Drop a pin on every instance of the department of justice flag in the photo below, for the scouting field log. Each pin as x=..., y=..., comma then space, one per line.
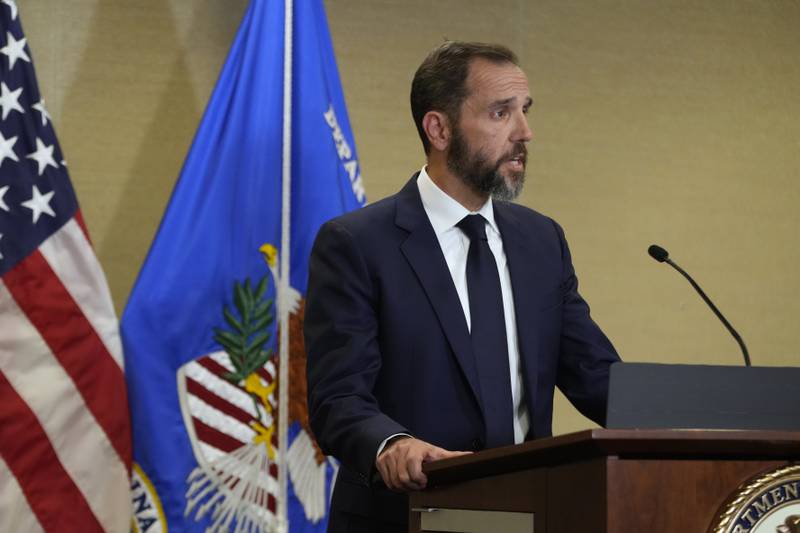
x=65, y=449
x=200, y=329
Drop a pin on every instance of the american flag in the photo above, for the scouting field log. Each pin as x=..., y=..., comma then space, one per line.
x=65, y=449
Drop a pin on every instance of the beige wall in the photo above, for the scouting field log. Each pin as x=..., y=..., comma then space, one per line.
x=674, y=122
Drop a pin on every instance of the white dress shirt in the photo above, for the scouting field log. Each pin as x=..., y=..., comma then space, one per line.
x=444, y=213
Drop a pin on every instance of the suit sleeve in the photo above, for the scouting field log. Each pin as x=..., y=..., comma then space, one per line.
x=585, y=352
x=341, y=338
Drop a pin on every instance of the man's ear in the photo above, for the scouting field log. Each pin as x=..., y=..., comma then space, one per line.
x=437, y=128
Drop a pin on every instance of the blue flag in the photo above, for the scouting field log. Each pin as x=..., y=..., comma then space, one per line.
x=201, y=327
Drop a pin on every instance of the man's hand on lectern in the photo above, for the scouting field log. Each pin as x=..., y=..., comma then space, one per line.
x=400, y=462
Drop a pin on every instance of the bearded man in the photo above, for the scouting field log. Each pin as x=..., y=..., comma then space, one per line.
x=439, y=320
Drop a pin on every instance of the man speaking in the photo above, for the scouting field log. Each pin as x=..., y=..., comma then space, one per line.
x=439, y=320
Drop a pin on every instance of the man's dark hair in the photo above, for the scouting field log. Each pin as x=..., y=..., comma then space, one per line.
x=440, y=83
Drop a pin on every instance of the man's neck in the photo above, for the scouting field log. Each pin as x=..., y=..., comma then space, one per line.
x=455, y=187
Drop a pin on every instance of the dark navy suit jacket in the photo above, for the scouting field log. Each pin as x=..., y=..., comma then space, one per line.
x=389, y=349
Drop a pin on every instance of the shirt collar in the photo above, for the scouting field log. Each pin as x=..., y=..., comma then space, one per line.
x=445, y=212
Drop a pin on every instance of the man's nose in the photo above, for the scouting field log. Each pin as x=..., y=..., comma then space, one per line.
x=522, y=130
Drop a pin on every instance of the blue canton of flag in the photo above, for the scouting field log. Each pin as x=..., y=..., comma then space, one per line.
x=65, y=449
x=200, y=328
x=35, y=194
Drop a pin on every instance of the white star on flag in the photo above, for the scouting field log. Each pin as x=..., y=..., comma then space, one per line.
x=7, y=148
x=1, y=238
x=3, y=204
x=13, y=5
x=39, y=203
x=14, y=49
x=9, y=100
x=43, y=155
x=39, y=106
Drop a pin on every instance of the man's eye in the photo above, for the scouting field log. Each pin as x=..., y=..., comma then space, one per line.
x=500, y=113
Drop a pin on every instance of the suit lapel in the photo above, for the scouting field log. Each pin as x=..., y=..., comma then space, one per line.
x=424, y=254
x=521, y=256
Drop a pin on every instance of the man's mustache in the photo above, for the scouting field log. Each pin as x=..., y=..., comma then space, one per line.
x=520, y=151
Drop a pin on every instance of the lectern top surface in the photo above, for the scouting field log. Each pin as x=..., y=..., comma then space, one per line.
x=624, y=443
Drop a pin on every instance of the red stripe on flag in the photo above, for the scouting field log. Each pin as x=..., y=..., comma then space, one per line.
x=218, y=370
x=266, y=376
x=196, y=389
x=77, y=347
x=215, y=438
x=53, y=497
x=212, y=366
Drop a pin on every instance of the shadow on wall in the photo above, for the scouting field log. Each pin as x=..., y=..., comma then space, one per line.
x=139, y=93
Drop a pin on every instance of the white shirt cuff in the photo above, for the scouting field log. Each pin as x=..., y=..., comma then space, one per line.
x=386, y=441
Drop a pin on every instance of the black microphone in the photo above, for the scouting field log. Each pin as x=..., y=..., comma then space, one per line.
x=662, y=256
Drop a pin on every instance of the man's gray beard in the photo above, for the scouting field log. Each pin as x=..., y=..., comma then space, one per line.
x=475, y=171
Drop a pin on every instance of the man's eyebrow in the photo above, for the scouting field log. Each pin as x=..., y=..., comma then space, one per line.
x=506, y=101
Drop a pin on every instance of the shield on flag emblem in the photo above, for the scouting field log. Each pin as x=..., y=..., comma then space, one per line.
x=232, y=430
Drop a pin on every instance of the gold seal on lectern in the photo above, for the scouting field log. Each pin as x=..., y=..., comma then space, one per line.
x=767, y=503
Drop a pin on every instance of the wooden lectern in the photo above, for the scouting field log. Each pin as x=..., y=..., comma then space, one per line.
x=598, y=481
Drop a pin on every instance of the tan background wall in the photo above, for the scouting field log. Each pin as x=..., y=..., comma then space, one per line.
x=676, y=122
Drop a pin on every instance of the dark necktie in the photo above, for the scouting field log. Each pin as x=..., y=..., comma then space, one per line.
x=488, y=332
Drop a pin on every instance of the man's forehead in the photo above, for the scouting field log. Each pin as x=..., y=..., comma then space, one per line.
x=492, y=81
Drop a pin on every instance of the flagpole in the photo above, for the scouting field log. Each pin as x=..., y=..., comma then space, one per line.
x=283, y=366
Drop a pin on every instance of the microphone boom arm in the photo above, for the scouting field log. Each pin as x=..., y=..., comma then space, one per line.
x=713, y=308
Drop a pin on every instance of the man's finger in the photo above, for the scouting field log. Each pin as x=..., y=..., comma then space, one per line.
x=386, y=468
x=383, y=470
x=395, y=482
x=403, y=477
x=408, y=455
x=414, y=466
x=436, y=453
